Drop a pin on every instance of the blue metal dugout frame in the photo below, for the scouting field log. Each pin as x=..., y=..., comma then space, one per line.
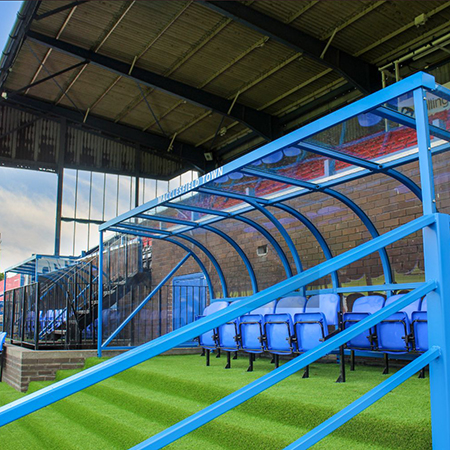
x=435, y=228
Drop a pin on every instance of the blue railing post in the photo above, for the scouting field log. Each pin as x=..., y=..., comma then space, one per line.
x=436, y=243
x=100, y=296
x=437, y=267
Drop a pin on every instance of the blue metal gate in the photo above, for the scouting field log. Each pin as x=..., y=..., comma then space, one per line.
x=189, y=300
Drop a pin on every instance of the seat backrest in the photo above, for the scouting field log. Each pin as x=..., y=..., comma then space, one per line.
x=424, y=305
x=269, y=308
x=291, y=305
x=369, y=304
x=328, y=304
x=214, y=307
x=408, y=310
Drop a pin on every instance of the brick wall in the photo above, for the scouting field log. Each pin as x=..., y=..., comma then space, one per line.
x=21, y=365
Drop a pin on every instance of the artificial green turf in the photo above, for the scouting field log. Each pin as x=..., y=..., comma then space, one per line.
x=128, y=408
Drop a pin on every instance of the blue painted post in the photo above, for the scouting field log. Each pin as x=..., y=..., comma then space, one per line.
x=100, y=296
x=436, y=243
x=437, y=267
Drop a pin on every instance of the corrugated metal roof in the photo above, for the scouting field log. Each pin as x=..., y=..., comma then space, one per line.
x=185, y=41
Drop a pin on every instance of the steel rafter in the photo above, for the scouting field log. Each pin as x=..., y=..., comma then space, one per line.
x=257, y=121
x=52, y=12
x=362, y=75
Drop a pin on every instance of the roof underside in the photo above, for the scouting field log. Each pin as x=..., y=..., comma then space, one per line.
x=185, y=78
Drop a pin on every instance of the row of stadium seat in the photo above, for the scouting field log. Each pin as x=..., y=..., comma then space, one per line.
x=294, y=325
x=403, y=332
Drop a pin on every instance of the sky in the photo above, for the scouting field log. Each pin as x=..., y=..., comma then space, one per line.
x=26, y=197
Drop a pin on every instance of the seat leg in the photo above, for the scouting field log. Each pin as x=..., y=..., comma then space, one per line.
x=228, y=366
x=341, y=378
x=422, y=373
x=352, y=360
x=203, y=352
x=277, y=361
x=250, y=360
x=208, y=357
x=386, y=364
x=272, y=361
x=306, y=372
x=235, y=355
x=218, y=353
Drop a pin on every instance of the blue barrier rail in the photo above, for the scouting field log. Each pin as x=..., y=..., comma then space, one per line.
x=240, y=396
x=343, y=416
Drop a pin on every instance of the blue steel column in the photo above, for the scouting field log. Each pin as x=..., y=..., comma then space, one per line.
x=436, y=243
x=100, y=296
x=436, y=240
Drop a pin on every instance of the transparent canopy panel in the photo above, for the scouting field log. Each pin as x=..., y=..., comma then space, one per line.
x=294, y=163
x=370, y=136
x=248, y=185
x=438, y=111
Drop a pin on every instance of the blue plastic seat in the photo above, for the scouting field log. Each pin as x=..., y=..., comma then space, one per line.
x=394, y=333
x=362, y=308
x=279, y=326
x=311, y=327
x=251, y=327
x=209, y=339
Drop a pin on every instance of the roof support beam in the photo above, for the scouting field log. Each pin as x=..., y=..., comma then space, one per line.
x=361, y=74
x=60, y=9
x=256, y=120
x=160, y=144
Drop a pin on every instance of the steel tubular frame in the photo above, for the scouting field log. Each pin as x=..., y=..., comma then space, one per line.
x=316, y=233
x=146, y=300
x=179, y=244
x=93, y=375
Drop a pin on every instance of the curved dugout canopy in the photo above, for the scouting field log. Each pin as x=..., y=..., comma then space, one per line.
x=374, y=135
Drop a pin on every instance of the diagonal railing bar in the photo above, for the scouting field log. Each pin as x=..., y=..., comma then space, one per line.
x=375, y=394
x=238, y=397
x=93, y=375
